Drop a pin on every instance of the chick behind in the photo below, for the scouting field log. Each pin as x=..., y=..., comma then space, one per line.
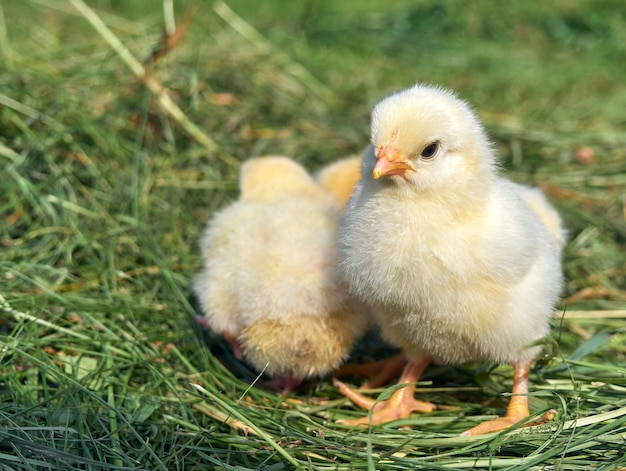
x=270, y=279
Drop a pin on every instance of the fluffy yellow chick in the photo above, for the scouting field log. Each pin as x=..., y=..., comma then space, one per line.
x=340, y=178
x=270, y=283
x=457, y=262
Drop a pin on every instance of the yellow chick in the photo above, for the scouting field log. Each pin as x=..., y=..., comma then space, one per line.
x=270, y=283
x=457, y=262
x=340, y=178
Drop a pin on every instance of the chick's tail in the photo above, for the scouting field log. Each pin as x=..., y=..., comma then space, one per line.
x=547, y=214
x=300, y=346
x=340, y=178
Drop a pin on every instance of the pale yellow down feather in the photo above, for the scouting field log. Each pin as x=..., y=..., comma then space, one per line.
x=340, y=177
x=269, y=278
x=457, y=262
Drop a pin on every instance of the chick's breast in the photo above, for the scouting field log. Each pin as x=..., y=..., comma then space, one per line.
x=480, y=286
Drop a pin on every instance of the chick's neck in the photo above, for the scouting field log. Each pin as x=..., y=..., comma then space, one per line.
x=461, y=198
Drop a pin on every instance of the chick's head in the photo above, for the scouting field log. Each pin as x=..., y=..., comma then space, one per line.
x=422, y=136
x=269, y=179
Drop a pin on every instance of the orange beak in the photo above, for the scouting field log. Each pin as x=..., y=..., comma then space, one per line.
x=389, y=161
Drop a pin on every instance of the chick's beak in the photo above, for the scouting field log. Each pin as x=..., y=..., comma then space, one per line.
x=389, y=161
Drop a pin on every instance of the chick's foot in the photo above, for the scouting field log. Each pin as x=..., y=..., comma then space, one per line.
x=378, y=372
x=517, y=409
x=398, y=406
x=502, y=423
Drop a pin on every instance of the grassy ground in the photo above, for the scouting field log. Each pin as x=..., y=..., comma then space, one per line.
x=105, y=191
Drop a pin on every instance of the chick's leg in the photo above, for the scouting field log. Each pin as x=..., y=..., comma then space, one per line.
x=378, y=372
x=398, y=406
x=517, y=409
x=234, y=342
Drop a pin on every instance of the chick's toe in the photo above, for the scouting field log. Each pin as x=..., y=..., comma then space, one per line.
x=399, y=406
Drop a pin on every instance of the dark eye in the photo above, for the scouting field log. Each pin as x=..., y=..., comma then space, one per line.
x=430, y=150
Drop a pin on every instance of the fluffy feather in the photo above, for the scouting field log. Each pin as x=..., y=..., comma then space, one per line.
x=339, y=178
x=269, y=278
x=456, y=261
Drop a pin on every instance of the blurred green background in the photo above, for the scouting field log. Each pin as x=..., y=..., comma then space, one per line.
x=104, y=196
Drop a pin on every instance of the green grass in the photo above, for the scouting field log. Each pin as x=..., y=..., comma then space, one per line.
x=104, y=195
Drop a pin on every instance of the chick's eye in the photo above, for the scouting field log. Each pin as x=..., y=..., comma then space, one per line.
x=430, y=150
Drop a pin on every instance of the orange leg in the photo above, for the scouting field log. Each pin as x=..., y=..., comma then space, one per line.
x=517, y=409
x=398, y=406
x=378, y=372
